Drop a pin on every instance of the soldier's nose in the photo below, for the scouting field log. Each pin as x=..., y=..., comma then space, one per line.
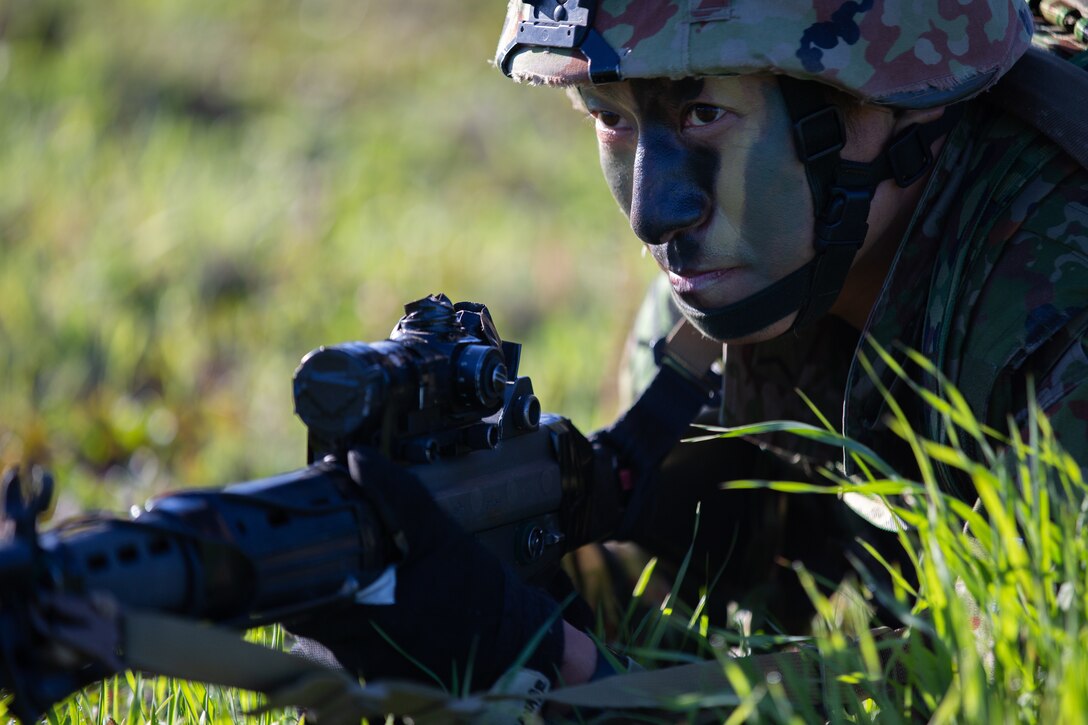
x=666, y=197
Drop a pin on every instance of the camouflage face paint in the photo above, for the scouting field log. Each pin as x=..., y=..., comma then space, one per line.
x=772, y=196
x=660, y=182
x=707, y=175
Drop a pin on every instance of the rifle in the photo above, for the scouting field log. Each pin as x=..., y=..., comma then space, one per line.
x=441, y=395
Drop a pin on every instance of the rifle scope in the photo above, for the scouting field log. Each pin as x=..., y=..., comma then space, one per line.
x=425, y=391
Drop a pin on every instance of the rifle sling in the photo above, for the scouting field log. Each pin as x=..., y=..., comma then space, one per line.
x=166, y=645
x=799, y=674
x=645, y=433
x=175, y=647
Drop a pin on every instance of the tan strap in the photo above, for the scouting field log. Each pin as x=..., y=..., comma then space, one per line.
x=798, y=672
x=690, y=350
x=174, y=647
x=167, y=645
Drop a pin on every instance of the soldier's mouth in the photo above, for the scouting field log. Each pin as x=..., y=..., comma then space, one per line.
x=703, y=288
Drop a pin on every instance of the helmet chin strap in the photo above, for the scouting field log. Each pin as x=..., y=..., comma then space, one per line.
x=842, y=192
x=753, y=313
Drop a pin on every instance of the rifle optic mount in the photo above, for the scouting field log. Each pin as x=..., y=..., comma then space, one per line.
x=437, y=386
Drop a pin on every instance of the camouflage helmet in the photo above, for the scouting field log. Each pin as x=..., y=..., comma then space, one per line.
x=903, y=53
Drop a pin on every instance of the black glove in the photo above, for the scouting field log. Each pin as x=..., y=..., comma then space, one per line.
x=459, y=612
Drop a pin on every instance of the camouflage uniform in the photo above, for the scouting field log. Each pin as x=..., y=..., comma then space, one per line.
x=999, y=245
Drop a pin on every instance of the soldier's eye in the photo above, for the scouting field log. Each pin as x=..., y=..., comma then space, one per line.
x=608, y=119
x=703, y=114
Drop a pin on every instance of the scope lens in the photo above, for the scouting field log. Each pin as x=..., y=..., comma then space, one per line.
x=340, y=388
x=481, y=376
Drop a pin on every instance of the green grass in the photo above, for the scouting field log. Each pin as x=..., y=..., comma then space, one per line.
x=196, y=193
x=132, y=698
x=997, y=599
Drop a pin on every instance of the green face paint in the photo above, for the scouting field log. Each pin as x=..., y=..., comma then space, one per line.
x=707, y=174
x=769, y=195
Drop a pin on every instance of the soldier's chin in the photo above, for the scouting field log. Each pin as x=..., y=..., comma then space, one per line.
x=769, y=332
x=740, y=323
x=728, y=334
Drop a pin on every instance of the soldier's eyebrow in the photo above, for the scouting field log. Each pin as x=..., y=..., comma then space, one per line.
x=687, y=89
x=613, y=93
x=641, y=94
x=654, y=92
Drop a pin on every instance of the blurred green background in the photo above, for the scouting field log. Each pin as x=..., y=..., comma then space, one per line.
x=193, y=194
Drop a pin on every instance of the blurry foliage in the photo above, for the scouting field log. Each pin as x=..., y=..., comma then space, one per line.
x=194, y=194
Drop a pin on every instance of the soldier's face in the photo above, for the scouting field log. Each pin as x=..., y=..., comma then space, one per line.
x=707, y=174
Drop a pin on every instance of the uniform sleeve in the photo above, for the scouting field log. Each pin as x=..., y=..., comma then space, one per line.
x=1063, y=395
x=1026, y=297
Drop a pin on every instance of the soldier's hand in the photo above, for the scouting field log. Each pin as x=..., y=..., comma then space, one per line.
x=459, y=615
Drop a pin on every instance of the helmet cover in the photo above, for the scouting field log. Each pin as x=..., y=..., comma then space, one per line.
x=903, y=53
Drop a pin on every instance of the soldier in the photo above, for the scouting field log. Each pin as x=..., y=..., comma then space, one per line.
x=808, y=174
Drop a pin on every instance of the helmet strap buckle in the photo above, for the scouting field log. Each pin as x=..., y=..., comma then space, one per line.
x=844, y=221
x=819, y=134
x=909, y=156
